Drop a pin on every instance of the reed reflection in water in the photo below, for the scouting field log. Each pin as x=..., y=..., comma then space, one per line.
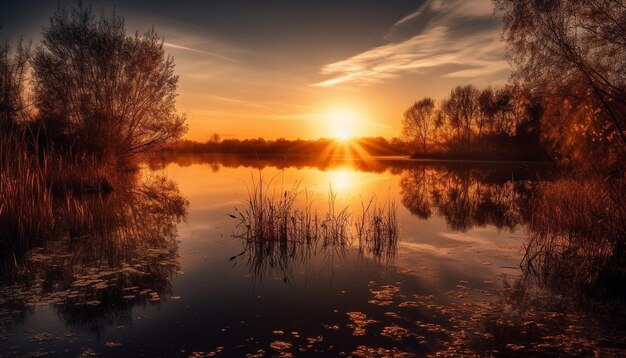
x=280, y=227
x=452, y=282
x=121, y=252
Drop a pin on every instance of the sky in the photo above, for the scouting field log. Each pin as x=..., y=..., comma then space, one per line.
x=304, y=69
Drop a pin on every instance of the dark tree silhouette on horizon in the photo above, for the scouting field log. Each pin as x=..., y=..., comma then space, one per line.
x=418, y=123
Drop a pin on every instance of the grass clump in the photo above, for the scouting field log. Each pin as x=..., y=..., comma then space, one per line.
x=44, y=194
x=377, y=229
x=280, y=226
x=578, y=235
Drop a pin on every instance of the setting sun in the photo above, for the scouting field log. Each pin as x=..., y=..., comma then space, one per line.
x=342, y=123
x=313, y=178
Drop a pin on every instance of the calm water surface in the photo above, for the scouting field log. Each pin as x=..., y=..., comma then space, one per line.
x=156, y=287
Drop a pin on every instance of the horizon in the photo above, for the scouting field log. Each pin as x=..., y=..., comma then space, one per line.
x=274, y=72
x=349, y=178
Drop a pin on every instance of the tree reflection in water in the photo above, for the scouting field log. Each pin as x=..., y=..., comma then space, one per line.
x=572, y=273
x=121, y=251
x=467, y=197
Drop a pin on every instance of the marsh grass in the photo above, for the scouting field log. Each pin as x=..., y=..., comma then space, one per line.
x=377, y=229
x=578, y=235
x=124, y=253
x=280, y=226
x=43, y=194
x=25, y=195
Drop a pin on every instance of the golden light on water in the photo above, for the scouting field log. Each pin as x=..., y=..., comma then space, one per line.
x=342, y=179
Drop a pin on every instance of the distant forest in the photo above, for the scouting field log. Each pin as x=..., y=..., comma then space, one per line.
x=376, y=146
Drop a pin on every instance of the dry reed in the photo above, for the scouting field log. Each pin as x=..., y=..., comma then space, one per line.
x=578, y=231
x=279, y=225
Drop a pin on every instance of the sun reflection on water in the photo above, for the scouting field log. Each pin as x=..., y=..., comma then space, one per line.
x=342, y=179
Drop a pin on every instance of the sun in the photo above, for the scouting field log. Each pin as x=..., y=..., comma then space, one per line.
x=342, y=123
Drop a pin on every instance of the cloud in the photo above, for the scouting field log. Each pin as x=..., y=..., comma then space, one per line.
x=412, y=15
x=180, y=47
x=460, y=39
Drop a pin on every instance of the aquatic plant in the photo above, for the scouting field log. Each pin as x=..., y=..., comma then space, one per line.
x=578, y=235
x=280, y=227
x=377, y=229
x=43, y=194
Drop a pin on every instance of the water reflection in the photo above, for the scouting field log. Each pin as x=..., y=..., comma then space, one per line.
x=466, y=197
x=453, y=286
x=120, y=253
x=343, y=165
x=281, y=228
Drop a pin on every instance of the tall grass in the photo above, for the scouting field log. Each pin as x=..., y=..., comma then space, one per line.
x=270, y=214
x=377, y=229
x=43, y=193
x=280, y=226
x=25, y=195
x=578, y=234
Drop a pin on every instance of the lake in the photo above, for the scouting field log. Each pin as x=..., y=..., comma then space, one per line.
x=168, y=273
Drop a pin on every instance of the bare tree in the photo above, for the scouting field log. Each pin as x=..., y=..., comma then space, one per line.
x=112, y=92
x=486, y=110
x=505, y=117
x=560, y=45
x=461, y=111
x=419, y=121
x=13, y=67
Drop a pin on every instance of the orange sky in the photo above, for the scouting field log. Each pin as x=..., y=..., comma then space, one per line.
x=293, y=69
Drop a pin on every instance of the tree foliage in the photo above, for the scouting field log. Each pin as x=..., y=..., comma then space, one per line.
x=473, y=122
x=461, y=109
x=419, y=122
x=572, y=53
x=102, y=89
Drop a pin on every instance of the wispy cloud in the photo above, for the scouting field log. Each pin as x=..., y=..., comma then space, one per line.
x=408, y=18
x=451, y=42
x=304, y=116
x=185, y=48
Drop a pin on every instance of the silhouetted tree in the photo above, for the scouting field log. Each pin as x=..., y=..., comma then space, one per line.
x=486, y=110
x=108, y=91
x=505, y=117
x=460, y=110
x=215, y=138
x=13, y=66
x=419, y=121
x=573, y=49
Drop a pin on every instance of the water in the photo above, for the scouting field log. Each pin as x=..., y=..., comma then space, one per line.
x=149, y=285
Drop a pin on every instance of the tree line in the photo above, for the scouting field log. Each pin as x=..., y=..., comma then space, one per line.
x=475, y=123
x=567, y=94
x=323, y=147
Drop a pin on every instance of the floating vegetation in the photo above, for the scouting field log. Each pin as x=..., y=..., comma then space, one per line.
x=129, y=259
x=366, y=351
x=359, y=322
x=280, y=345
x=398, y=333
x=384, y=296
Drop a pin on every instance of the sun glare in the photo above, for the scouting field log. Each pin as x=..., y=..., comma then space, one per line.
x=342, y=124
